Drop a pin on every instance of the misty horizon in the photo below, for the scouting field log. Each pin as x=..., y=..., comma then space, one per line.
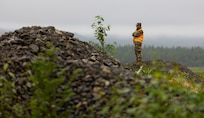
x=126, y=31
x=126, y=38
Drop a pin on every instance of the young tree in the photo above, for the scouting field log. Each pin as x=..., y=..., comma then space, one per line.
x=100, y=31
x=100, y=34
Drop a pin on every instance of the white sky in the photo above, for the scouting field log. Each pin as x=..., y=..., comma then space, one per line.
x=159, y=17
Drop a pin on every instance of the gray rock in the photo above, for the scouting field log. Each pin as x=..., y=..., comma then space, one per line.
x=34, y=48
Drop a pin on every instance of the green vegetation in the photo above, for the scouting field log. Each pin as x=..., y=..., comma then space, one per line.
x=7, y=94
x=45, y=79
x=191, y=57
x=100, y=32
x=158, y=95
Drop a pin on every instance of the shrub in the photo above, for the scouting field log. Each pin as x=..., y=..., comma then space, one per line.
x=154, y=94
x=49, y=92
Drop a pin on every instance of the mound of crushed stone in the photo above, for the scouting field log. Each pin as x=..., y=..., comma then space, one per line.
x=98, y=70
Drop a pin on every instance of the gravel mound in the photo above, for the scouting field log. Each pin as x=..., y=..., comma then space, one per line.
x=99, y=71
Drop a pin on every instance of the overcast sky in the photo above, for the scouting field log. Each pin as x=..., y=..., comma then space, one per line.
x=159, y=17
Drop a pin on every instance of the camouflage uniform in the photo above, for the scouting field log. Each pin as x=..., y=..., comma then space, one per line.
x=137, y=39
x=138, y=52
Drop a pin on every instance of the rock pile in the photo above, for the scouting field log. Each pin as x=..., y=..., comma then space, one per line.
x=100, y=73
x=98, y=70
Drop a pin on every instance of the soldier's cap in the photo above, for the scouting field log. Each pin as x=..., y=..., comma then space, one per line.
x=140, y=24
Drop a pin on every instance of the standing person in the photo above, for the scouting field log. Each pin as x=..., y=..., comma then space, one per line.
x=137, y=40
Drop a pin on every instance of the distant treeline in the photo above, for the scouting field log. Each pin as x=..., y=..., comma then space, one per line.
x=191, y=57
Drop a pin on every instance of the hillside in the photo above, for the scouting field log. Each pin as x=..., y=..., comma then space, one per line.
x=190, y=57
x=97, y=83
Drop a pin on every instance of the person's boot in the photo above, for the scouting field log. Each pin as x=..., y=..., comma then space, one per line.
x=137, y=63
